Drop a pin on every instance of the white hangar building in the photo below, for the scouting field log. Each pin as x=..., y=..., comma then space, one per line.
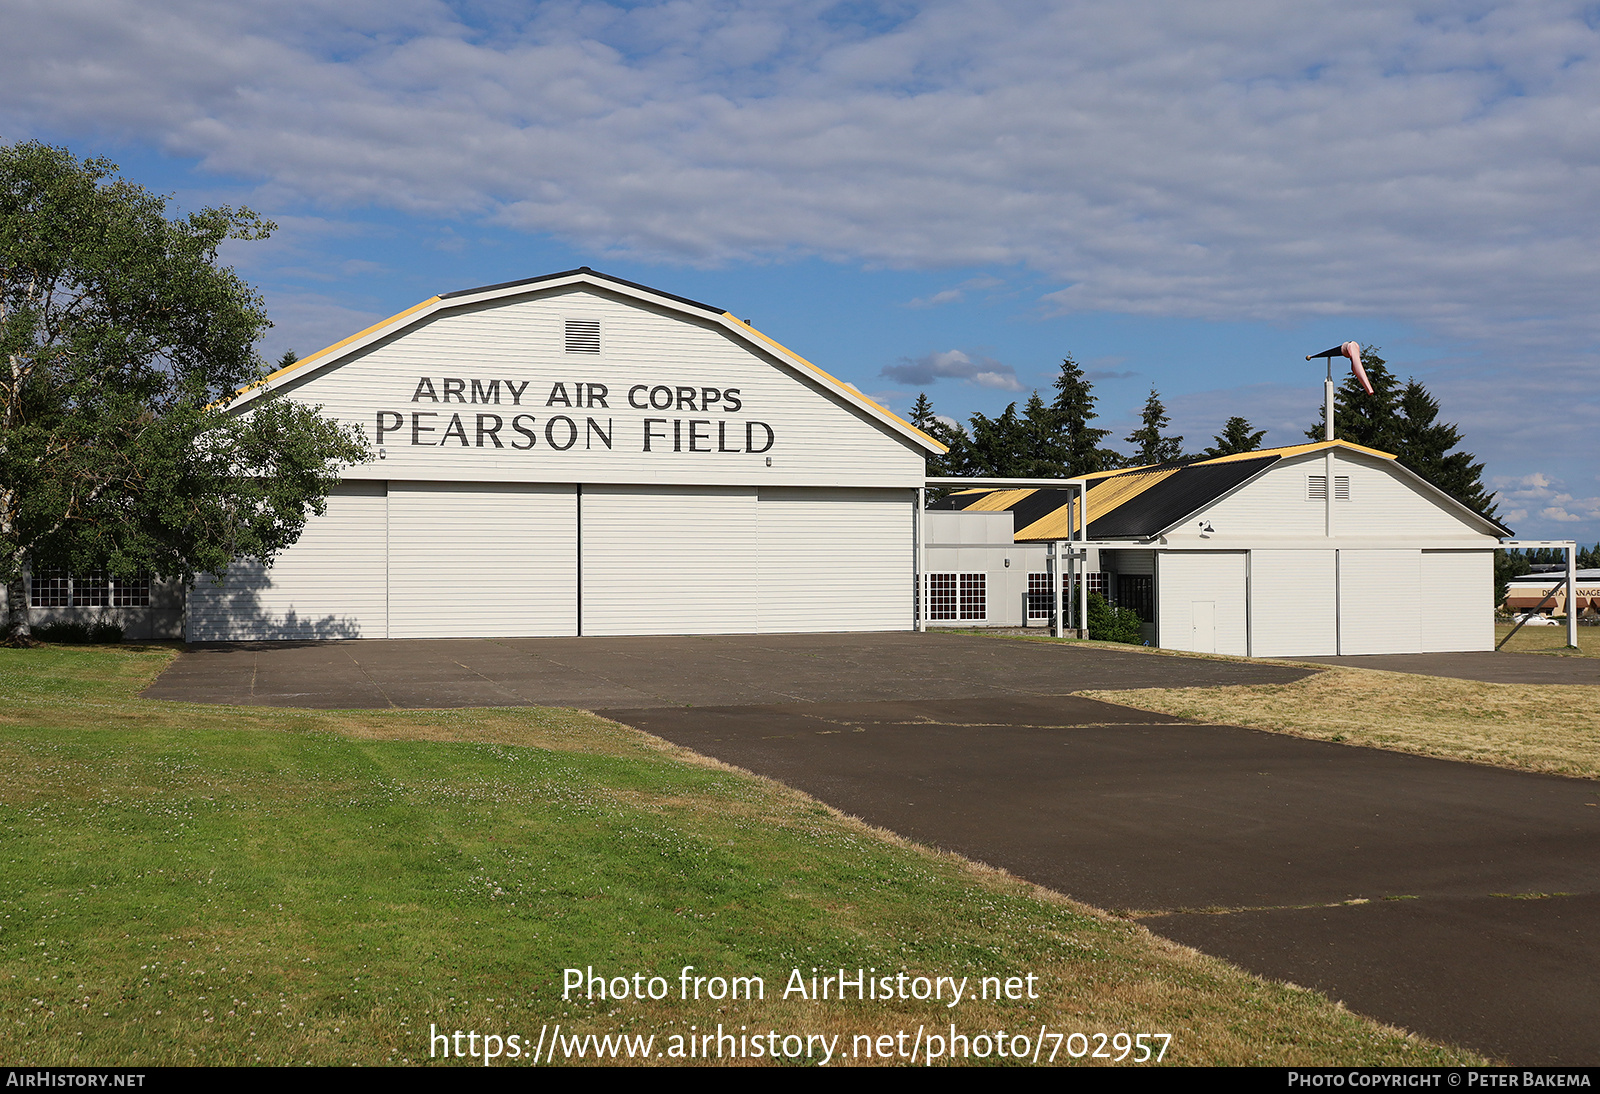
x=580, y=455
x=1252, y=554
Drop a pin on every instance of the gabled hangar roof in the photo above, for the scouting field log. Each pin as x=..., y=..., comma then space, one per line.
x=1143, y=503
x=583, y=275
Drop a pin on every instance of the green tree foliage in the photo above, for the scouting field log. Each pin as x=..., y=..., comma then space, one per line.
x=1044, y=440
x=1236, y=437
x=1152, y=446
x=122, y=341
x=1074, y=406
x=1109, y=624
x=958, y=460
x=1403, y=419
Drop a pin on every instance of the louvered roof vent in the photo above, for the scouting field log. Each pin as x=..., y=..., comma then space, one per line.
x=583, y=336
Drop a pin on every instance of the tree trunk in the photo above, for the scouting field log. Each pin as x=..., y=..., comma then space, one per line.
x=16, y=631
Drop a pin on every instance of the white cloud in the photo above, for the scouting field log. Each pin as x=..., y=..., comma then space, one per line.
x=956, y=294
x=956, y=365
x=1252, y=160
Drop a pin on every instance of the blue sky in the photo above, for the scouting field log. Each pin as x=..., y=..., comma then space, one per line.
x=940, y=196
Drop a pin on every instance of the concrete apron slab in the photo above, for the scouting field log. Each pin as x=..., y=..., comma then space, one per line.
x=1245, y=844
x=647, y=671
x=1234, y=841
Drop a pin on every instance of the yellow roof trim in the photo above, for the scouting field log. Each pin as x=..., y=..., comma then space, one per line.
x=835, y=381
x=1113, y=491
x=321, y=353
x=1000, y=499
x=1299, y=450
x=1057, y=524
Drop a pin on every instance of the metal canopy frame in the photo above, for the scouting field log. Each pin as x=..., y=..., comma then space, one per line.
x=1057, y=551
x=1571, y=547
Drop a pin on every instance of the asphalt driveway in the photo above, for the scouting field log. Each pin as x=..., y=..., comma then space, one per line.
x=1459, y=901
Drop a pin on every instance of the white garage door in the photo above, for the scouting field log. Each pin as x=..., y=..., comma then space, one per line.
x=1457, y=601
x=1294, y=604
x=669, y=560
x=330, y=584
x=1200, y=601
x=834, y=560
x=1380, y=595
x=475, y=560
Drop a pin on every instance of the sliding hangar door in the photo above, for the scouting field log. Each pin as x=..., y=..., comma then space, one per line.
x=471, y=560
x=1308, y=603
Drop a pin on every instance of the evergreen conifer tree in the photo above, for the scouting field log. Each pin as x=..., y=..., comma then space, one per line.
x=1153, y=446
x=1403, y=420
x=1074, y=407
x=1236, y=437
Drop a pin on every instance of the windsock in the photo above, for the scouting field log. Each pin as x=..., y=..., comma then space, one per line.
x=1352, y=350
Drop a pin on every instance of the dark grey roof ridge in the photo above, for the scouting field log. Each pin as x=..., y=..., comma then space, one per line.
x=591, y=273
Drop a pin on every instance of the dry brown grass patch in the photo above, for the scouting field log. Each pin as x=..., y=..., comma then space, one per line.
x=1547, y=728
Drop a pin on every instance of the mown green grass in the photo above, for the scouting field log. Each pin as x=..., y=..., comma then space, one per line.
x=184, y=884
x=1551, y=640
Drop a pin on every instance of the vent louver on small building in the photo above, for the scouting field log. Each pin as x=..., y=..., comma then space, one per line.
x=583, y=336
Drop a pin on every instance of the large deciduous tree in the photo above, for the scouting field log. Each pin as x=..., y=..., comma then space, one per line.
x=122, y=341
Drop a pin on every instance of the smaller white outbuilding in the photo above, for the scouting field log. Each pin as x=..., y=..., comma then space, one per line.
x=1317, y=549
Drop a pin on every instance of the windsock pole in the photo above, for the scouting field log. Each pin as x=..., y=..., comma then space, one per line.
x=1327, y=392
x=1352, y=350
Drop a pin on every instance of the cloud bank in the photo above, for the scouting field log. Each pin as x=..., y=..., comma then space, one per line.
x=1430, y=160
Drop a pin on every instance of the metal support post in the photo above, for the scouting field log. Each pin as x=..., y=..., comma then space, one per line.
x=1572, y=595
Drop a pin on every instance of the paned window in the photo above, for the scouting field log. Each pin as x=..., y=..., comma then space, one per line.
x=56, y=587
x=1039, y=596
x=974, y=596
x=91, y=590
x=941, y=596
x=1039, y=606
x=130, y=592
x=52, y=588
x=1138, y=591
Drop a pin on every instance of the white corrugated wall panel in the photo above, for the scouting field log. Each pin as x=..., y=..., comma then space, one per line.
x=1457, y=598
x=1185, y=579
x=477, y=560
x=834, y=560
x=330, y=584
x=1380, y=601
x=513, y=350
x=669, y=560
x=1294, y=604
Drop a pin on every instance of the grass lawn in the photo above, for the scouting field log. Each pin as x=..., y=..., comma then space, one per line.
x=186, y=884
x=1549, y=640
